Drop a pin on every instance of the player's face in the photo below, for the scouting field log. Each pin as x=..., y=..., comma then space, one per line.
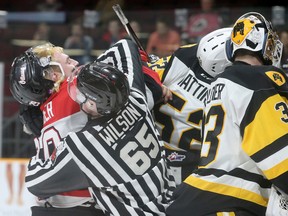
x=68, y=64
x=90, y=108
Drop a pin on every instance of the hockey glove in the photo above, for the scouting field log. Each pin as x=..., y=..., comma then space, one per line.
x=32, y=119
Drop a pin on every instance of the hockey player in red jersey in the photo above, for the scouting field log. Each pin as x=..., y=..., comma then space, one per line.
x=245, y=134
x=60, y=116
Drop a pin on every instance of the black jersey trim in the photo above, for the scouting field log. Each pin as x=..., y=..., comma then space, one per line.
x=257, y=100
x=270, y=149
x=238, y=173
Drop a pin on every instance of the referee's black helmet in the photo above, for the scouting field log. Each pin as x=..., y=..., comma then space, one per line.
x=103, y=84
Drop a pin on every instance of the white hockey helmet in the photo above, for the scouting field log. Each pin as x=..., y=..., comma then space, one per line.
x=254, y=33
x=211, y=51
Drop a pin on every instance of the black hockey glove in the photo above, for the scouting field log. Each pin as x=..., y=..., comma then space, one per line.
x=32, y=119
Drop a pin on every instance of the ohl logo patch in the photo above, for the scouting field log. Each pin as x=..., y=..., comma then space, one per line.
x=174, y=156
x=276, y=77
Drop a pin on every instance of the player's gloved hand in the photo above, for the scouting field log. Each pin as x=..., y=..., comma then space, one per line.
x=32, y=119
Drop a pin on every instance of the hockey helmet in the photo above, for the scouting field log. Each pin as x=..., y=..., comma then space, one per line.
x=254, y=33
x=101, y=83
x=27, y=84
x=211, y=51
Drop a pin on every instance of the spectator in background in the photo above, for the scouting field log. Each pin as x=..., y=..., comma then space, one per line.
x=105, y=7
x=42, y=32
x=49, y=5
x=205, y=20
x=135, y=25
x=112, y=34
x=284, y=59
x=81, y=42
x=164, y=40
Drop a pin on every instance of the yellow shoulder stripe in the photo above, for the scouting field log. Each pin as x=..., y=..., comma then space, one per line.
x=277, y=170
x=260, y=130
x=227, y=190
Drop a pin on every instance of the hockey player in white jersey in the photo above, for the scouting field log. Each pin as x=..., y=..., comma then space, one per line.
x=245, y=135
x=119, y=151
x=188, y=73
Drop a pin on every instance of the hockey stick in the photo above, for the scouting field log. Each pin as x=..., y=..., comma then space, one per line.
x=128, y=27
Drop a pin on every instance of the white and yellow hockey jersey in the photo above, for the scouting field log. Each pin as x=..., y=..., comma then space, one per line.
x=245, y=144
x=179, y=121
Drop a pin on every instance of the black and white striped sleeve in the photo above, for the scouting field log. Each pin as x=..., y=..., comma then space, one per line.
x=125, y=56
x=54, y=175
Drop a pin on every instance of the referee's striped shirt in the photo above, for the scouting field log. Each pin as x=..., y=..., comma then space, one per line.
x=122, y=155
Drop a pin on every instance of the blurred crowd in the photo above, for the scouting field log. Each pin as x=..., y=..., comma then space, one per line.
x=159, y=33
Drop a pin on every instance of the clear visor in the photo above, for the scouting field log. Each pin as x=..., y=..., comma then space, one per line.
x=73, y=91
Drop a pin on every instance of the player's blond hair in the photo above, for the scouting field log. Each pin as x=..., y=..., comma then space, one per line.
x=48, y=50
